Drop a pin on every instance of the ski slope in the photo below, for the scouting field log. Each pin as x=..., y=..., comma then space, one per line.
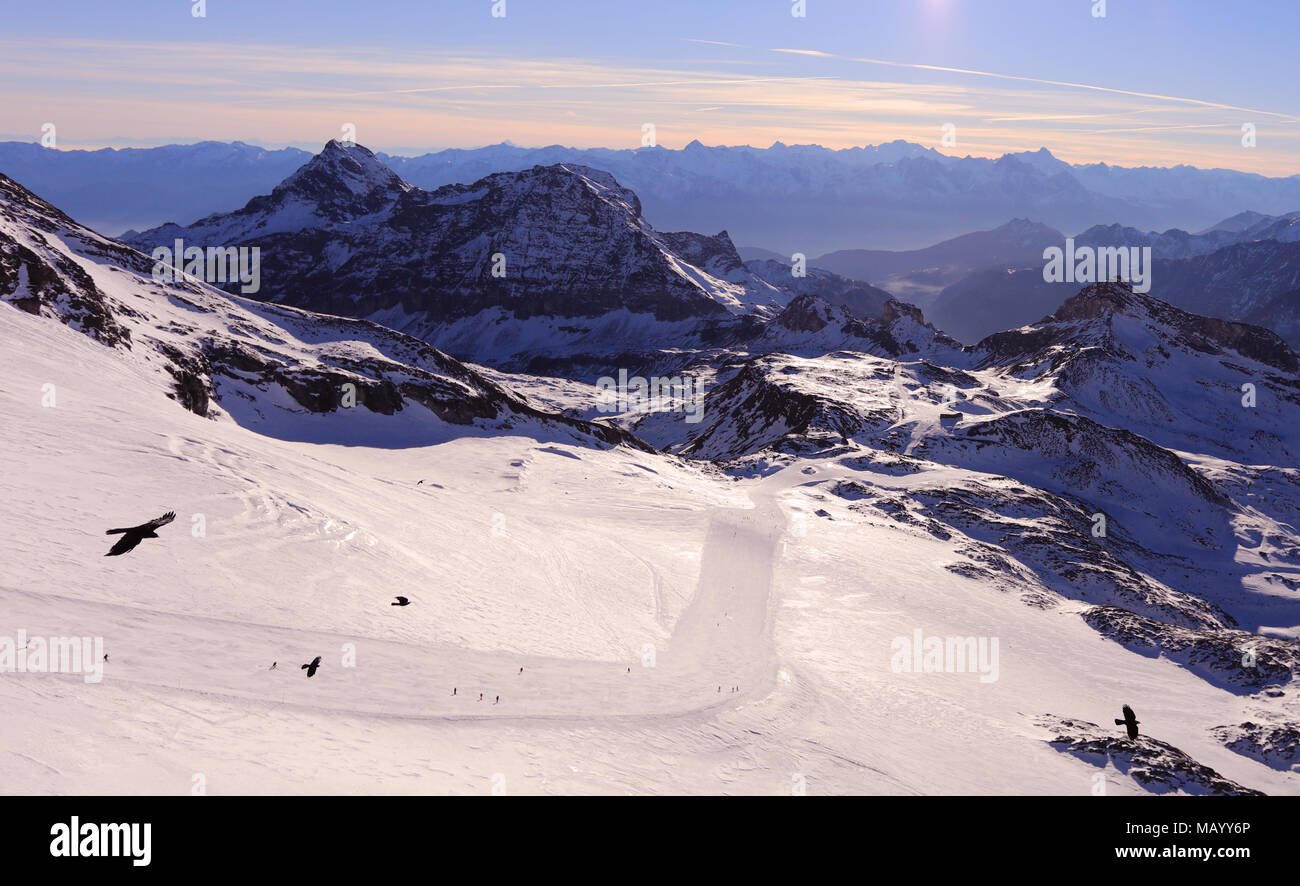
x=570, y=562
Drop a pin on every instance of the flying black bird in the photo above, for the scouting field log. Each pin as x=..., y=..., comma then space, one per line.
x=311, y=668
x=1130, y=720
x=401, y=601
x=133, y=536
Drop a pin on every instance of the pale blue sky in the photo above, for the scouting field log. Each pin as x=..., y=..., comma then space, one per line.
x=1155, y=81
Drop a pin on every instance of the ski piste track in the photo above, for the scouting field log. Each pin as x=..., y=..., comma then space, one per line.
x=677, y=703
x=723, y=639
x=725, y=633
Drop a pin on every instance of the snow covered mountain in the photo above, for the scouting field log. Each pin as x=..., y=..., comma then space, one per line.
x=551, y=261
x=282, y=371
x=783, y=601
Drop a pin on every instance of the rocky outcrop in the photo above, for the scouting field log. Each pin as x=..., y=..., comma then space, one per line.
x=1273, y=744
x=1157, y=766
x=1233, y=659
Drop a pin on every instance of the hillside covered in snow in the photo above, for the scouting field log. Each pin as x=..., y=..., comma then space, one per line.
x=880, y=562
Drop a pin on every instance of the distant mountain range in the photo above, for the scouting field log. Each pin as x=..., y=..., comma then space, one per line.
x=919, y=275
x=801, y=198
x=1246, y=267
x=1251, y=274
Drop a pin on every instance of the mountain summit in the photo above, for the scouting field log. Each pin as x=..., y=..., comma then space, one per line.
x=547, y=260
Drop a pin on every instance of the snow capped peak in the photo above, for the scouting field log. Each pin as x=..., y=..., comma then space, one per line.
x=1102, y=301
x=1111, y=319
x=808, y=313
x=344, y=166
x=512, y=263
x=342, y=185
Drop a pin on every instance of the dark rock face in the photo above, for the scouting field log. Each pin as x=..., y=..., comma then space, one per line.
x=1158, y=766
x=716, y=254
x=52, y=284
x=191, y=372
x=192, y=393
x=804, y=314
x=556, y=241
x=754, y=410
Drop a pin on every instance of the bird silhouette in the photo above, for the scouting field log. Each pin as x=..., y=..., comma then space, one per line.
x=401, y=601
x=311, y=668
x=1131, y=721
x=135, y=534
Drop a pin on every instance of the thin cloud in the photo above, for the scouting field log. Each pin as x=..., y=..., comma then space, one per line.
x=283, y=95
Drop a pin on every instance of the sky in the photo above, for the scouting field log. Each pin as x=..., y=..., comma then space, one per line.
x=1152, y=82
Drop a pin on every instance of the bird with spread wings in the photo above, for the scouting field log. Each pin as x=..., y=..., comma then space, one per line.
x=135, y=534
x=1130, y=721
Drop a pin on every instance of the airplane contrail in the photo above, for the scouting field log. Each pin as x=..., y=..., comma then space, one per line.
x=1064, y=83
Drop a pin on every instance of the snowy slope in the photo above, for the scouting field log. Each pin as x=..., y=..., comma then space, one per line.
x=634, y=588
x=601, y=553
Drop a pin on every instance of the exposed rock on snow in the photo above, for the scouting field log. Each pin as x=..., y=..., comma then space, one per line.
x=1233, y=659
x=1274, y=744
x=1158, y=766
